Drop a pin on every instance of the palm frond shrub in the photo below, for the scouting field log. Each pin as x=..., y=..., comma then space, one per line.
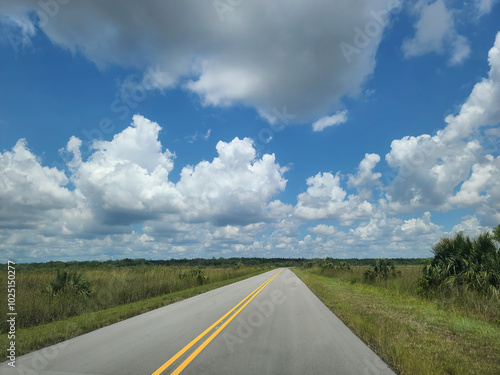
x=70, y=282
x=196, y=273
x=462, y=262
x=496, y=234
x=327, y=264
x=344, y=266
x=382, y=269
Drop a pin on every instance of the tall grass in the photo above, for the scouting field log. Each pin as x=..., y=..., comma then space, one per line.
x=47, y=295
x=461, y=301
x=406, y=284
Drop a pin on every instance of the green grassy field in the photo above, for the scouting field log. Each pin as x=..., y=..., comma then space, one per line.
x=45, y=317
x=443, y=334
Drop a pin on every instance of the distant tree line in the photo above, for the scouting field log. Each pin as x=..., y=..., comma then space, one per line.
x=213, y=262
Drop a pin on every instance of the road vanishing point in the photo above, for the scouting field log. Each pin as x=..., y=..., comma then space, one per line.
x=268, y=324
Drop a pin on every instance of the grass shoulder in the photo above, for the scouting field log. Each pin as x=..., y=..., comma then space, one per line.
x=412, y=334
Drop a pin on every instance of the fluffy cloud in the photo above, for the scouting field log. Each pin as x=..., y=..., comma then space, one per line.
x=365, y=179
x=435, y=32
x=256, y=53
x=481, y=108
x=398, y=235
x=235, y=187
x=29, y=191
x=325, y=199
x=324, y=230
x=125, y=180
x=473, y=191
x=429, y=170
x=452, y=168
x=469, y=226
x=384, y=236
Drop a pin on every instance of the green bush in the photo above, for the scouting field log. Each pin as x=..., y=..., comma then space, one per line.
x=462, y=262
x=344, y=266
x=382, y=269
x=197, y=274
x=332, y=264
x=71, y=282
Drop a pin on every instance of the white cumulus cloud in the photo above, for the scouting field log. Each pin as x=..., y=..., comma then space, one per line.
x=325, y=199
x=452, y=168
x=125, y=180
x=28, y=190
x=365, y=179
x=236, y=187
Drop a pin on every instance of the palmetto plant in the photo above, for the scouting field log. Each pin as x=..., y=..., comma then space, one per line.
x=71, y=282
x=464, y=262
x=331, y=264
x=382, y=269
x=196, y=273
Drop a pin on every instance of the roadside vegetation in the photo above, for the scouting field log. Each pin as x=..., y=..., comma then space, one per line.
x=439, y=317
x=47, y=295
x=55, y=303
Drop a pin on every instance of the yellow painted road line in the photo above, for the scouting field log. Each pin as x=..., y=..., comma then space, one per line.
x=200, y=336
x=207, y=341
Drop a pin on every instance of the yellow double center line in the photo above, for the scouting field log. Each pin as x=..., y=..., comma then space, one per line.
x=245, y=301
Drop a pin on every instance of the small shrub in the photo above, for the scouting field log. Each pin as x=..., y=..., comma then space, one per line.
x=382, y=269
x=327, y=264
x=331, y=264
x=69, y=282
x=344, y=266
x=196, y=273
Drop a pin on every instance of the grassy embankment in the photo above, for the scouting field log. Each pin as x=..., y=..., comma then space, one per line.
x=444, y=333
x=48, y=314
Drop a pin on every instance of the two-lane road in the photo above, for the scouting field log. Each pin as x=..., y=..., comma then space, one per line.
x=268, y=324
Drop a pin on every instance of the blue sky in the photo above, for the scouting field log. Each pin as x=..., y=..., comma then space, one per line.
x=160, y=130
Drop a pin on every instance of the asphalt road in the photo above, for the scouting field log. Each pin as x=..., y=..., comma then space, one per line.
x=271, y=324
